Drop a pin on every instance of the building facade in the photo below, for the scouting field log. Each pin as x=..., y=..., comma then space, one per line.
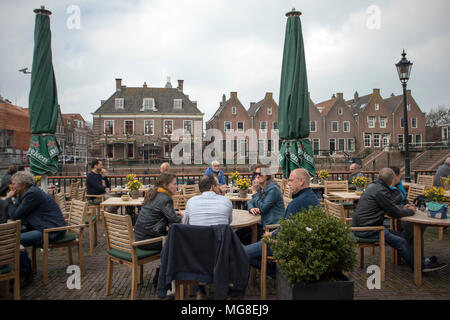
x=78, y=136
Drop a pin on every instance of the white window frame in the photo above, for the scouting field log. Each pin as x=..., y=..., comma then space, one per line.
x=261, y=151
x=408, y=107
x=349, y=126
x=243, y=126
x=243, y=149
x=338, y=144
x=126, y=151
x=340, y=111
x=403, y=138
x=318, y=142
x=329, y=143
x=225, y=126
x=376, y=135
x=401, y=123
x=315, y=126
x=260, y=126
x=377, y=106
x=104, y=127
x=269, y=111
x=353, y=145
x=420, y=135
x=152, y=126
x=273, y=126
x=370, y=140
x=233, y=110
x=337, y=126
x=125, y=126
x=385, y=122
x=164, y=127
x=374, y=121
x=412, y=123
x=184, y=122
x=119, y=103
x=177, y=104
x=150, y=103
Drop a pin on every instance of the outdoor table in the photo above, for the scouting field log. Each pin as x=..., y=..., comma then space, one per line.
x=351, y=196
x=118, y=202
x=126, y=190
x=418, y=220
x=238, y=201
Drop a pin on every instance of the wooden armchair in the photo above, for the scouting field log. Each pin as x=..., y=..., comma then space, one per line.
x=10, y=256
x=264, y=259
x=425, y=180
x=190, y=189
x=77, y=218
x=121, y=248
x=414, y=191
x=92, y=217
x=180, y=201
x=337, y=210
x=444, y=185
x=73, y=190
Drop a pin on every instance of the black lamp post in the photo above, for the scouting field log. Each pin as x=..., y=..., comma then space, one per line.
x=404, y=70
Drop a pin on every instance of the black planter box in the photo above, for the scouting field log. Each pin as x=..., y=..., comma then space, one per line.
x=321, y=290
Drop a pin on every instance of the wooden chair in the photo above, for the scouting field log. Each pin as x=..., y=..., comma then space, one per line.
x=10, y=256
x=179, y=201
x=425, y=180
x=286, y=201
x=77, y=218
x=60, y=199
x=121, y=248
x=337, y=210
x=264, y=259
x=80, y=195
x=414, y=191
x=445, y=185
x=73, y=190
x=190, y=189
x=92, y=218
x=287, y=191
x=334, y=186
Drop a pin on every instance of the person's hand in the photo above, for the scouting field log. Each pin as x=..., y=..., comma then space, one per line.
x=103, y=183
x=255, y=186
x=181, y=214
x=255, y=211
x=268, y=234
x=10, y=194
x=412, y=207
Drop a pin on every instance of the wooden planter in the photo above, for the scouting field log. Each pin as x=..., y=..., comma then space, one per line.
x=134, y=194
x=321, y=290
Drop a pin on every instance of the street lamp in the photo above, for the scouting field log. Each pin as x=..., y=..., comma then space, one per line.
x=404, y=70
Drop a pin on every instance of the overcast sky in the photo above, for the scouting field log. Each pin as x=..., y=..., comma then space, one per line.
x=218, y=46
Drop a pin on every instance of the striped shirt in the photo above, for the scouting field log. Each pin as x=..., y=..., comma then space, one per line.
x=208, y=209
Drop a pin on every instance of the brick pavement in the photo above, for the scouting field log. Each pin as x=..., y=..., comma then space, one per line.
x=398, y=285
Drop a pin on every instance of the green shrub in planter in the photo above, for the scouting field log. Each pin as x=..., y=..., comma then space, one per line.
x=312, y=246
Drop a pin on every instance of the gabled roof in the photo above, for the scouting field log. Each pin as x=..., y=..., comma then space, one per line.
x=325, y=106
x=254, y=108
x=72, y=117
x=360, y=104
x=133, y=99
x=392, y=103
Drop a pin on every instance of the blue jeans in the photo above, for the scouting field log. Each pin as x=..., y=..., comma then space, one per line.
x=254, y=253
x=405, y=249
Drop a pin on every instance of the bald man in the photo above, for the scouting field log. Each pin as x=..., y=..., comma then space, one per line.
x=302, y=198
x=165, y=166
x=355, y=171
x=442, y=171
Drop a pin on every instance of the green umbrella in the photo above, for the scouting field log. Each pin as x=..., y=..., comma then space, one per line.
x=293, y=114
x=43, y=101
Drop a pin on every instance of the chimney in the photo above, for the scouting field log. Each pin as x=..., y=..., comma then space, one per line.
x=233, y=94
x=118, y=84
x=333, y=96
x=356, y=96
x=376, y=91
x=392, y=94
x=268, y=95
x=408, y=92
x=340, y=95
x=252, y=104
x=144, y=85
x=224, y=98
x=180, y=85
x=168, y=84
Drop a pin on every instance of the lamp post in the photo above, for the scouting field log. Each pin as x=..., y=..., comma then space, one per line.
x=404, y=70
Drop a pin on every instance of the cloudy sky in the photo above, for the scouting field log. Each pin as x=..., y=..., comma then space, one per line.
x=218, y=46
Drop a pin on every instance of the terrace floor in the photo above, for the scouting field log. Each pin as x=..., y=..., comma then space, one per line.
x=398, y=285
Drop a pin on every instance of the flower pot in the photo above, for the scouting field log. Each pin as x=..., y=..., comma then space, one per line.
x=243, y=193
x=134, y=194
x=359, y=192
x=320, y=290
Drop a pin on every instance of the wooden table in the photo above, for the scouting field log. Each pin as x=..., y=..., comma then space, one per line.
x=118, y=202
x=418, y=220
x=351, y=196
x=238, y=202
x=317, y=186
x=126, y=190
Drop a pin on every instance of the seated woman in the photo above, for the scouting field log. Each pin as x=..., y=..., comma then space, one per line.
x=157, y=212
x=267, y=201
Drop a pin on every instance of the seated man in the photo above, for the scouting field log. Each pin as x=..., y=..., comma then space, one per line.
x=442, y=171
x=378, y=200
x=38, y=211
x=355, y=171
x=165, y=167
x=303, y=198
x=96, y=185
x=209, y=208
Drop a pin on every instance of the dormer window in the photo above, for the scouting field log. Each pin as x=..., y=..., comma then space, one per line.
x=148, y=104
x=119, y=103
x=177, y=104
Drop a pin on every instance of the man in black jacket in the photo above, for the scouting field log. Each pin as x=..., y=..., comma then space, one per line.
x=378, y=200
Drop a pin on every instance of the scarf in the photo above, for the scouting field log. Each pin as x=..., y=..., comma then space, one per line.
x=164, y=191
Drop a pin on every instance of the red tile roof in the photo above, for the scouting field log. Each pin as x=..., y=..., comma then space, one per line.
x=325, y=106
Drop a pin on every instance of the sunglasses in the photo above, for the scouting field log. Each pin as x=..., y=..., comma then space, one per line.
x=256, y=173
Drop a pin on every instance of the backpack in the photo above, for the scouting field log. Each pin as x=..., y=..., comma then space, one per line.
x=420, y=202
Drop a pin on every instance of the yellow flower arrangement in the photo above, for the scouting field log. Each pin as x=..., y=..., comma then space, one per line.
x=134, y=185
x=360, y=182
x=243, y=183
x=131, y=177
x=435, y=194
x=37, y=179
x=235, y=175
x=323, y=174
x=447, y=181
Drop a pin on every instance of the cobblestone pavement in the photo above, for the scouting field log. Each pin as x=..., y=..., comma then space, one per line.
x=398, y=285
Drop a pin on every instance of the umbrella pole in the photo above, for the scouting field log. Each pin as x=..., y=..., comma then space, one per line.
x=44, y=183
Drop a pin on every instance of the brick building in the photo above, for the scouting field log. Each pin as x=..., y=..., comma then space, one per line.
x=14, y=128
x=137, y=123
x=78, y=136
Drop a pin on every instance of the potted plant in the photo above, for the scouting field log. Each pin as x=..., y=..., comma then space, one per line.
x=360, y=183
x=312, y=251
x=234, y=176
x=323, y=175
x=134, y=188
x=243, y=184
x=436, y=209
x=37, y=180
x=130, y=177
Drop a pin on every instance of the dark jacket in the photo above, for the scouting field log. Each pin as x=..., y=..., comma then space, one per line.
x=375, y=202
x=220, y=176
x=442, y=171
x=107, y=183
x=269, y=202
x=154, y=217
x=94, y=183
x=303, y=199
x=207, y=254
x=36, y=209
x=4, y=185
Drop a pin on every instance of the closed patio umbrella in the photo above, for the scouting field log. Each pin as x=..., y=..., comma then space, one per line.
x=43, y=102
x=293, y=113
